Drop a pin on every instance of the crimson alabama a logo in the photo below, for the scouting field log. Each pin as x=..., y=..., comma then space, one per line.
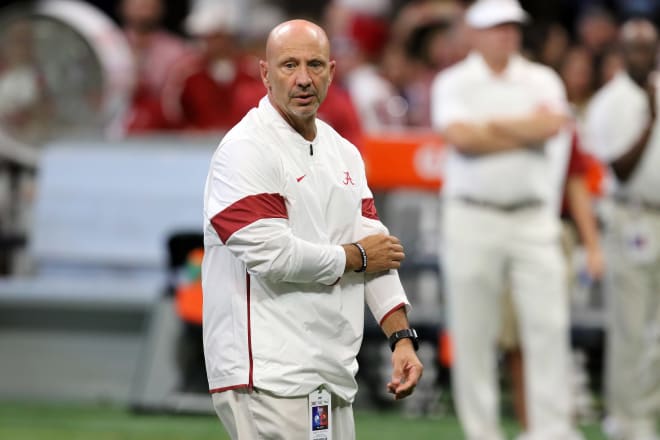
x=347, y=179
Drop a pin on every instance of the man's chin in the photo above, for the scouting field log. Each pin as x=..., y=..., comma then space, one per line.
x=306, y=111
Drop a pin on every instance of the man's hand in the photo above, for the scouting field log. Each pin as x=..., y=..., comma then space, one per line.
x=407, y=370
x=595, y=263
x=384, y=252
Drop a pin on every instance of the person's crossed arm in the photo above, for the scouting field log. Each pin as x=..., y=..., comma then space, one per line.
x=505, y=133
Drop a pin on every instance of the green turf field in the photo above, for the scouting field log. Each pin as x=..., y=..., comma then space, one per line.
x=66, y=422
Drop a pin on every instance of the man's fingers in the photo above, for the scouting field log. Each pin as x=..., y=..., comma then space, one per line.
x=391, y=388
x=409, y=382
x=414, y=373
x=405, y=389
x=384, y=252
x=397, y=375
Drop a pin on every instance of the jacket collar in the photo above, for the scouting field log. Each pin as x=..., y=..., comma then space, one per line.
x=272, y=117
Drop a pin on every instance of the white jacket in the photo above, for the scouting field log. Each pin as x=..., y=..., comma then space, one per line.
x=279, y=313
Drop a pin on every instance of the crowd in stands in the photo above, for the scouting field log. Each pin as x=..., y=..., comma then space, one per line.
x=386, y=56
x=205, y=75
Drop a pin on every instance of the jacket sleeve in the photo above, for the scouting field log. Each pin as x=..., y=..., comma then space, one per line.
x=383, y=291
x=245, y=207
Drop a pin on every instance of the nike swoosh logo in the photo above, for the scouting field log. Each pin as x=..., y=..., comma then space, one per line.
x=298, y=179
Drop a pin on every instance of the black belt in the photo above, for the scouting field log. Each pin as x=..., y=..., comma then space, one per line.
x=504, y=207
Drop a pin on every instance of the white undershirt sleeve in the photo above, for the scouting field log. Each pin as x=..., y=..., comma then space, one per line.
x=383, y=291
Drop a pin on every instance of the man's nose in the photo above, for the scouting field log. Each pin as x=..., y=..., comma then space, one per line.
x=303, y=78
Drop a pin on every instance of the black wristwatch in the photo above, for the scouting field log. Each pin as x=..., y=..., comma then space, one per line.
x=408, y=333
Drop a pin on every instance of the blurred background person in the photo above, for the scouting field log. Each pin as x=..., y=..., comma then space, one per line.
x=611, y=64
x=622, y=131
x=156, y=51
x=339, y=111
x=551, y=45
x=359, y=33
x=501, y=115
x=579, y=226
x=425, y=39
x=546, y=43
x=212, y=88
x=597, y=29
x=576, y=70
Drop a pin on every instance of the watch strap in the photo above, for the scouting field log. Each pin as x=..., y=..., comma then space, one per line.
x=408, y=333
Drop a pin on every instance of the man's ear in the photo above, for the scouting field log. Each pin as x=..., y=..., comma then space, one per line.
x=263, y=70
x=333, y=65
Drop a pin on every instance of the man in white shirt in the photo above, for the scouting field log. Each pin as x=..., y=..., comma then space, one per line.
x=503, y=118
x=293, y=247
x=622, y=130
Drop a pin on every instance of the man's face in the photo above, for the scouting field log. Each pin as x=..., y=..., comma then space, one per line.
x=297, y=73
x=639, y=56
x=499, y=41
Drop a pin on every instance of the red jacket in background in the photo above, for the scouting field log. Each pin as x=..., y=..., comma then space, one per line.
x=338, y=111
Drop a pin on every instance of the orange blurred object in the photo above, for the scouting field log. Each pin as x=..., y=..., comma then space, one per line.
x=189, y=302
x=188, y=295
x=408, y=159
x=445, y=353
x=415, y=160
x=595, y=176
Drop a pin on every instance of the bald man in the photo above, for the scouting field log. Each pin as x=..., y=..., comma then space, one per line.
x=623, y=131
x=293, y=248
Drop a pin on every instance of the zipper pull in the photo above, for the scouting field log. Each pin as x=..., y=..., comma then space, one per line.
x=311, y=150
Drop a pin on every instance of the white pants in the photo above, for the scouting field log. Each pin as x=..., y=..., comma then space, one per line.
x=633, y=331
x=258, y=415
x=482, y=249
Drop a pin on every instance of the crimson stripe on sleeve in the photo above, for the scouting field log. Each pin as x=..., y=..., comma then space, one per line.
x=247, y=211
x=369, y=209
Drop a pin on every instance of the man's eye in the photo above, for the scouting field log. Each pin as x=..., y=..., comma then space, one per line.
x=290, y=66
